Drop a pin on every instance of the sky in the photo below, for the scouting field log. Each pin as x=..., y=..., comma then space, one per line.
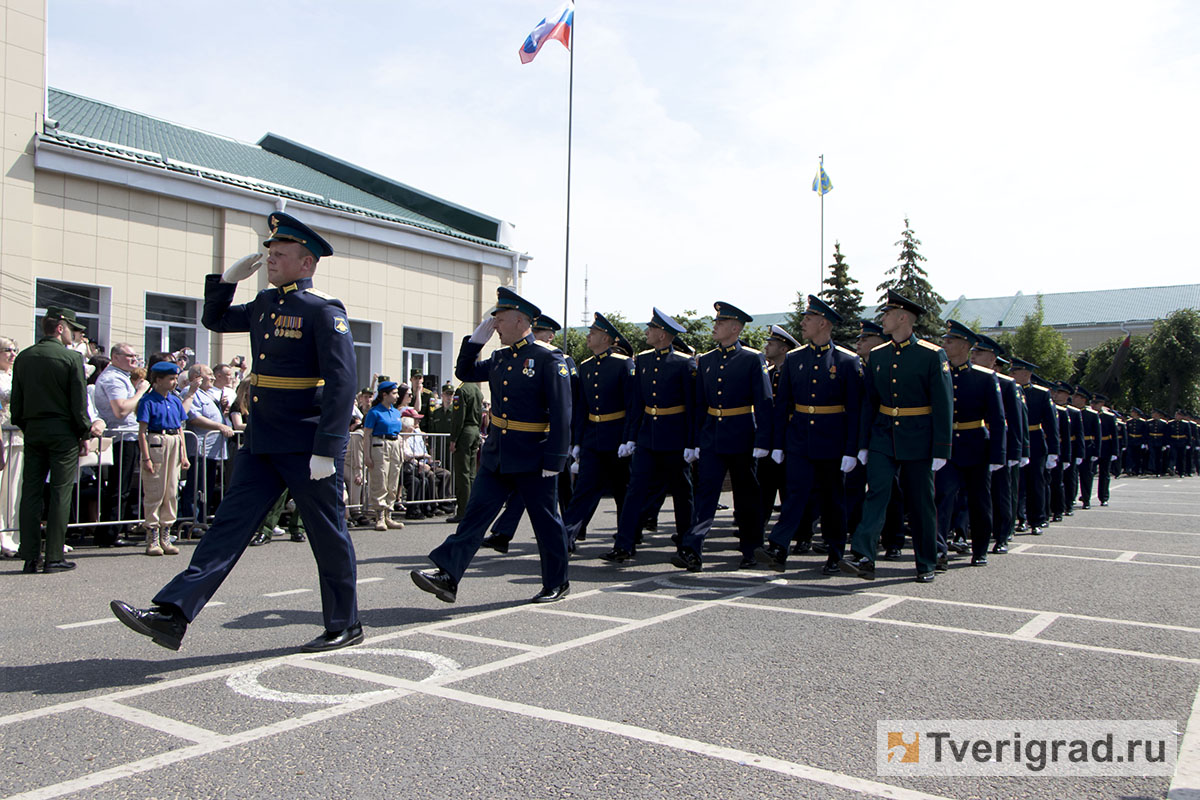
x=1033, y=146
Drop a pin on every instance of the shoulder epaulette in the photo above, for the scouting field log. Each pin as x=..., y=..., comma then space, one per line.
x=547, y=345
x=984, y=370
x=880, y=346
x=1108, y=413
x=928, y=345
x=1039, y=388
x=1003, y=377
x=646, y=352
x=320, y=294
x=586, y=360
x=845, y=350
x=620, y=356
x=750, y=349
x=706, y=352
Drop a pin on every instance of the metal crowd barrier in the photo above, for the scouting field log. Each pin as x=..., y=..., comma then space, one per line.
x=411, y=491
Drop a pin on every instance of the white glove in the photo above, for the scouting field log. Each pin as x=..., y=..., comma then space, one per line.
x=1114, y=458
x=995, y=467
x=938, y=463
x=1145, y=447
x=849, y=463
x=320, y=467
x=626, y=450
x=1078, y=461
x=243, y=268
x=691, y=454
x=1024, y=461
x=862, y=457
x=1051, y=461
x=574, y=467
x=574, y=452
x=484, y=331
x=761, y=452
x=549, y=473
x=777, y=456
x=1095, y=458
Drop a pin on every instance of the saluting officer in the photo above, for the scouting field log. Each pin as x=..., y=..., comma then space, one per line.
x=1043, y=443
x=304, y=387
x=524, y=451
x=772, y=478
x=659, y=429
x=816, y=435
x=907, y=420
x=732, y=429
x=978, y=449
x=1110, y=450
x=1091, y=444
x=986, y=353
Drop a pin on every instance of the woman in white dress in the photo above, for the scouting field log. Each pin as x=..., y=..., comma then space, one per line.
x=10, y=476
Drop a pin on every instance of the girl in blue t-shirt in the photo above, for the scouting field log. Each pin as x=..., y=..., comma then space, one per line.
x=161, y=418
x=384, y=454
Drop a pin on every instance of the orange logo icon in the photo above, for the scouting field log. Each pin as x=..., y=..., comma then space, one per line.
x=905, y=752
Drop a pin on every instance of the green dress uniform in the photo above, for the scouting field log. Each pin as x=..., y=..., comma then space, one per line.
x=465, y=417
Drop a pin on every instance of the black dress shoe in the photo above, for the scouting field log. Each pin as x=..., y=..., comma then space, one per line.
x=924, y=577
x=260, y=539
x=1069, y=513
x=582, y=537
x=959, y=545
x=58, y=566
x=1057, y=518
x=1103, y=503
x=1020, y=528
x=979, y=561
x=552, y=595
x=32, y=567
x=334, y=640
x=298, y=536
x=121, y=541
x=816, y=547
x=772, y=556
x=892, y=554
x=1037, y=530
x=860, y=566
x=437, y=583
x=687, y=559
x=800, y=548
x=165, y=627
x=748, y=562
x=496, y=542
x=1000, y=549
x=617, y=556
x=942, y=565
x=1086, y=505
x=454, y=520
x=831, y=568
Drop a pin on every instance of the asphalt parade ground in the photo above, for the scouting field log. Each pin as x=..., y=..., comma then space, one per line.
x=646, y=682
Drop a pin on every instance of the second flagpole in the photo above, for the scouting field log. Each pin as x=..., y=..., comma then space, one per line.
x=567, y=254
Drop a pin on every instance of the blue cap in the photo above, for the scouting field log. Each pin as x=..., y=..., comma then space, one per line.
x=622, y=344
x=897, y=300
x=286, y=228
x=783, y=337
x=1020, y=363
x=682, y=346
x=730, y=311
x=984, y=342
x=386, y=386
x=819, y=307
x=1038, y=380
x=666, y=322
x=957, y=330
x=1062, y=386
x=165, y=368
x=508, y=300
x=1082, y=392
x=869, y=328
x=545, y=323
x=601, y=322
x=1135, y=410
x=1103, y=398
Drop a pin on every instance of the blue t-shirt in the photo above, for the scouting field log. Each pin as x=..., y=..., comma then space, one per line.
x=161, y=413
x=383, y=421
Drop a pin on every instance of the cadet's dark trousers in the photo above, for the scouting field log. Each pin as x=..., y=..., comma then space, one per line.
x=892, y=536
x=1179, y=457
x=653, y=474
x=1086, y=472
x=1070, y=486
x=505, y=526
x=258, y=480
x=1058, y=493
x=1035, y=489
x=916, y=481
x=746, y=500
x=950, y=482
x=1103, y=476
x=464, y=461
x=56, y=457
x=772, y=483
x=597, y=471
x=1002, y=507
x=810, y=482
x=490, y=491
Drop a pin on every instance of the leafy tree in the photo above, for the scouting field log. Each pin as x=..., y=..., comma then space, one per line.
x=1132, y=386
x=1040, y=344
x=912, y=281
x=792, y=323
x=841, y=294
x=1173, y=357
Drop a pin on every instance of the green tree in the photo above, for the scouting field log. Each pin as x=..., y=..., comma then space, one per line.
x=841, y=294
x=1040, y=344
x=792, y=322
x=1133, y=387
x=912, y=281
x=1173, y=357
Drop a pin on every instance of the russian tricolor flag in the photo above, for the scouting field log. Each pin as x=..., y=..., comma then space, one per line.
x=554, y=26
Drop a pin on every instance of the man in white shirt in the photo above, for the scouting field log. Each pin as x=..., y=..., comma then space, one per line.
x=211, y=428
x=116, y=399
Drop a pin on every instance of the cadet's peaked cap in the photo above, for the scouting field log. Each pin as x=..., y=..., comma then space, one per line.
x=1020, y=363
x=869, y=328
x=1135, y=410
x=1038, y=380
x=957, y=330
x=1103, y=398
x=819, y=307
x=65, y=315
x=600, y=322
x=622, y=344
x=286, y=228
x=1062, y=386
x=730, y=311
x=682, y=346
x=897, y=300
x=545, y=323
x=665, y=321
x=165, y=368
x=386, y=386
x=1158, y=411
x=1082, y=392
x=783, y=337
x=508, y=300
x=984, y=342
x=447, y=388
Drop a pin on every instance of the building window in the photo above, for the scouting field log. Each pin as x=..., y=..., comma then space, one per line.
x=364, y=339
x=423, y=351
x=172, y=324
x=90, y=304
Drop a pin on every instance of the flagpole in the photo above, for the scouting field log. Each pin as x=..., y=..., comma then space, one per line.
x=821, y=191
x=567, y=255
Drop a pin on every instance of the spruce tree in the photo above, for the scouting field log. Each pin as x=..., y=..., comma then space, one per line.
x=912, y=281
x=792, y=323
x=845, y=299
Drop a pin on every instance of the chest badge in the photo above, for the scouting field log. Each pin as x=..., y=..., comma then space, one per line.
x=528, y=370
x=833, y=370
x=288, y=326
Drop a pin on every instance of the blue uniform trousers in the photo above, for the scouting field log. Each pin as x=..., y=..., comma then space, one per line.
x=490, y=491
x=505, y=526
x=1035, y=488
x=653, y=474
x=1087, y=471
x=809, y=483
x=1103, y=478
x=597, y=471
x=1070, y=486
x=772, y=482
x=953, y=482
x=916, y=482
x=1002, y=505
x=258, y=480
x=1058, y=491
x=747, y=509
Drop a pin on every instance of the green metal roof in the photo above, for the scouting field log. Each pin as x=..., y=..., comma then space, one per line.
x=275, y=166
x=1105, y=306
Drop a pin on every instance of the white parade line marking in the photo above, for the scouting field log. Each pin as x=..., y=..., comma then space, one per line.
x=562, y=613
x=86, y=624
x=875, y=608
x=1185, y=784
x=286, y=592
x=1109, y=560
x=1109, y=550
x=1020, y=548
x=1126, y=555
x=138, y=716
x=1058, y=526
x=1035, y=626
x=466, y=637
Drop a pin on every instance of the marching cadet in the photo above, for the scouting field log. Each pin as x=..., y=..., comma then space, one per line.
x=985, y=353
x=1091, y=445
x=1159, y=442
x=732, y=428
x=816, y=435
x=659, y=429
x=524, y=452
x=161, y=418
x=1122, y=441
x=1109, y=452
x=1178, y=437
x=1070, y=437
x=908, y=421
x=978, y=449
x=772, y=480
x=1060, y=476
x=1043, y=443
x=601, y=407
x=1135, y=455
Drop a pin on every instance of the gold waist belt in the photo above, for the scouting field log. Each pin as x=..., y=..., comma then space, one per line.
x=606, y=417
x=526, y=427
x=1105, y=438
x=730, y=412
x=915, y=411
x=1037, y=427
x=820, y=409
x=276, y=382
x=666, y=411
x=1089, y=438
x=970, y=426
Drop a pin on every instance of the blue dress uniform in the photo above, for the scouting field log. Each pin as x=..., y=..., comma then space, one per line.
x=660, y=425
x=1138, y=433
x=600, y=410
x=980, y=438
x=1063, y=475
x=530, y=430
x=1110, y=449
x=1016, y=441
x=1159, y=459
x=1091, y=448
x=772, y=477
x=732, y=419
x=1179, y=438
x=1043, y=442
x=300, y=406
x=817, y=412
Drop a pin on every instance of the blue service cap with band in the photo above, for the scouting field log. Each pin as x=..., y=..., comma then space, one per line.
x=1062, y=386
x=1135, y=410
x=682, y=346
x=1082, y=392
x=665, y=321
x=164, y=368
x=1158, y=411
x=1038, y=380
x=601, y=323
x=897, y=300
x=387, y=386
x=622, y=344
x=1020, y=363
x=508, y=300
x=1103, y=398
x=985, y=342
x=286, y=228
x=822, y=309
x=730, y=311
x=869, y=327
x=783, y=337
x=545, y=323
x=956, y=330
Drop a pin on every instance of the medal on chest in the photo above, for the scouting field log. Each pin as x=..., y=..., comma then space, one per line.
x=528, y=369
x=288, y=327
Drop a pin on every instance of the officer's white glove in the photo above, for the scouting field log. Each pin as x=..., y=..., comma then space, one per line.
x=1145, y=447
x=1051, y=461
x=849, y=463
x=1114, y=458
x=484, y=331
x=622, y=450
x=1095, y=458
x=862, y=457
x=1078, y=461
x=320, y=467
x=629, y=448
x=994, y=467
x=1014, y=462
x=549, y=473
x=938, y=463
x=574, y=467
x=761, y=452
x=243, y=268
x=777, y=456
x=1024, y=461
x=691, y=454
x=574, y=452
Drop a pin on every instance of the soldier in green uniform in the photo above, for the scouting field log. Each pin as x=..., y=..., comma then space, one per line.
x=465, y=417
x=907, y=421
x=49, y=405
x=439, y=419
